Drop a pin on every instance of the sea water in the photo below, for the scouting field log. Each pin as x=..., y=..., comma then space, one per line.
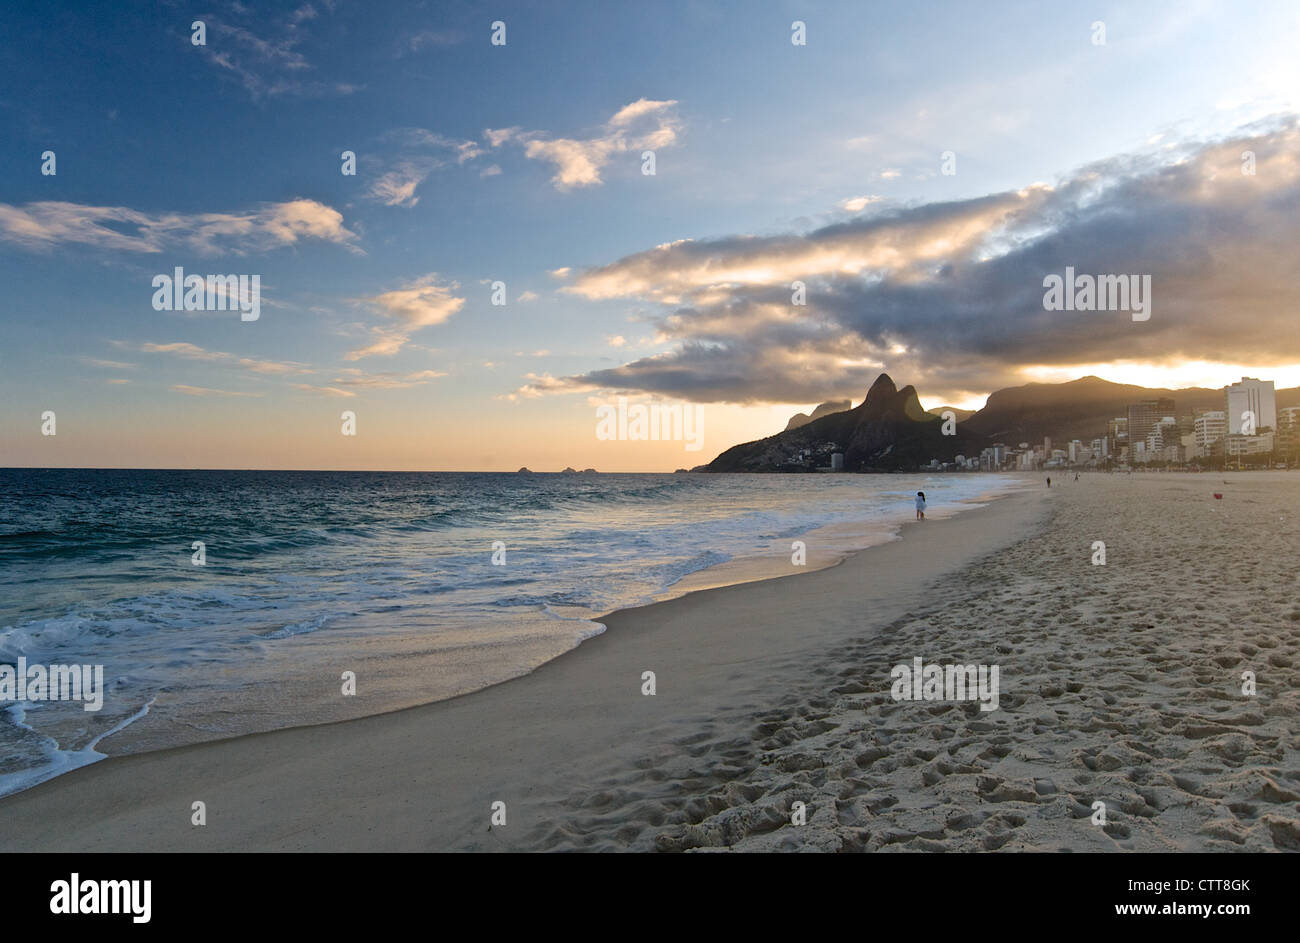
x=422, y=586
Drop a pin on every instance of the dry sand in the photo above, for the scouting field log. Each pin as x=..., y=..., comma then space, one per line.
x=1119, y=683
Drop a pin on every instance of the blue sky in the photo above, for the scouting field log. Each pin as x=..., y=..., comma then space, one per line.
x=225, y=158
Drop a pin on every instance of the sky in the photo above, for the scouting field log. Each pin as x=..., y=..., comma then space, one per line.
x=919, y=168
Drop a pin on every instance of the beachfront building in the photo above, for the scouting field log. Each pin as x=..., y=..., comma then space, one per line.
x=1117, y=432
x=1208, y=427
x=1286, y=441
x=1237, y=445
x=1250, y=396
x=991, y=458
x=1142, y=418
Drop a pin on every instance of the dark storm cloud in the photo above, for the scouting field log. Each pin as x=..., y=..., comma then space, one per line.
x=950, y=296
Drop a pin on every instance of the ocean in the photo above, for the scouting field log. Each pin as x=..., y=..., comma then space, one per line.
x=420, y=586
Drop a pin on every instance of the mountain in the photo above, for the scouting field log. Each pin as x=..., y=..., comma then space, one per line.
x=825, y=409
x=888, y=431
x=1080, y=409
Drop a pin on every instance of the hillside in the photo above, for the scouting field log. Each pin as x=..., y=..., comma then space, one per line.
x=889, y=431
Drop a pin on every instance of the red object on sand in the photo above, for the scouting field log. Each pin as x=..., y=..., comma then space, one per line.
x=1217, y=496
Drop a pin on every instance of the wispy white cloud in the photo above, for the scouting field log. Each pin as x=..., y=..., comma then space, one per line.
x=386, y=380
x=432, y=39
x=425, y=302
x=206, y=391
x=856, y=204
x=324, y=390
x=268, y=67
x=412, y=155
x=49, y=224
x=252, y=364
x=579, y=162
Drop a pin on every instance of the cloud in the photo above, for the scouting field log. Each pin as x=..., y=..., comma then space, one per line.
x=905, y=244
x=252, y=364
x=184, y=349
x=416, y=154
x=386, y=344
x=578, y=162
x=433, y=39
x=326, y=390
x=387, y=380
x=425, y=302
x=274, y=368
x=268, y=68
x=108, y=364
x=397, y=187
x=857, y=204
x=949, y=295
x=205, y=391
x=422, y=303
x=528, y=296
x=49, y=224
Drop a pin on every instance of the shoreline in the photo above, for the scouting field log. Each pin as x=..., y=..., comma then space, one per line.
x=297, y=700
x=315, y=787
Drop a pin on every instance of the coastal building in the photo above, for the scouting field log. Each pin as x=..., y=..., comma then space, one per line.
x=1250, y=396
x=1208, y=427
x=1164, y=432
x=1117, y=432
x=837, y=461
x=991, y=458
x=1287, y=440
x=1143, y=416
x=1240, y=445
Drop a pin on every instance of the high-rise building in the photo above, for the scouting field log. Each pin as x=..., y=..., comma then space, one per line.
x=1209, y=426
x=1143, y=416
x=1250, y=396
x=1162, y=435
x=1287, y=441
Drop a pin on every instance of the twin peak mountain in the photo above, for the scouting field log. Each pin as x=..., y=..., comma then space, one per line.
x=889, y=431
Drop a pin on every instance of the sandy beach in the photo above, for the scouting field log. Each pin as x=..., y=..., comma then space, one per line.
x=1120, y=683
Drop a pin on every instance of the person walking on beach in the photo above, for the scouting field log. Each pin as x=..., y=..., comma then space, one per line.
x=920, y=505
x=1049, y=481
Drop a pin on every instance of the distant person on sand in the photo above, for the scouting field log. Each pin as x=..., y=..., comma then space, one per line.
x=920, y=505
x=1049, y=481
